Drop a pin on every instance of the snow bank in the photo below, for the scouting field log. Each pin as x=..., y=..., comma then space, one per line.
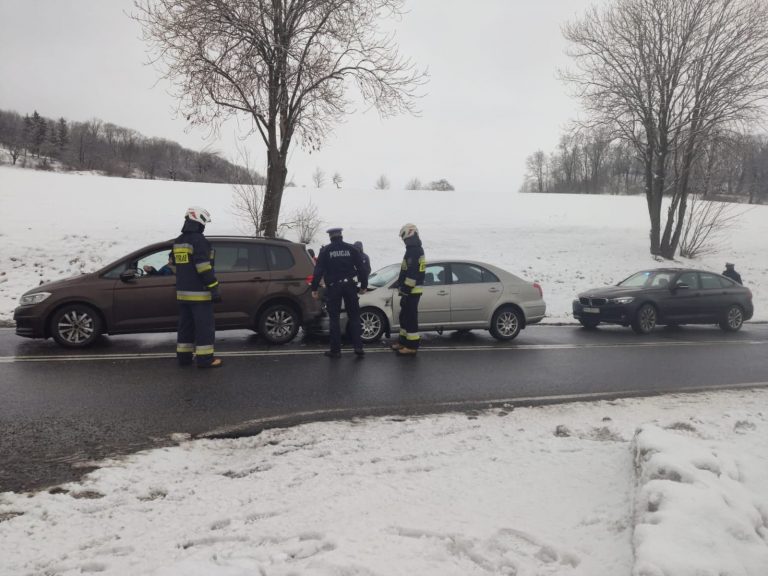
x=697, y=509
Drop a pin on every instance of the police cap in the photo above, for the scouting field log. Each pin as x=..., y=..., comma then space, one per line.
x=334, y=231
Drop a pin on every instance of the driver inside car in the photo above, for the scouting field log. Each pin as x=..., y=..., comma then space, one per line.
x=167, y=270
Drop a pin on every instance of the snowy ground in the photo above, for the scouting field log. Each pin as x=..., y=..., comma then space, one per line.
x=675, y=485
x=56, y=225
x=569, y=490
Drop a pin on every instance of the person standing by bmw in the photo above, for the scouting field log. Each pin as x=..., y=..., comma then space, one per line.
x=338, y=264
x=196, y=291
x=409, y=285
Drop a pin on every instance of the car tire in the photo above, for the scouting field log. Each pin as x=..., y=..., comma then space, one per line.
x=506, y=323
x=76, y=326
x=373, y=324
x=645, y=319
x=733, y=319
x=278, y=323
x=589, y=324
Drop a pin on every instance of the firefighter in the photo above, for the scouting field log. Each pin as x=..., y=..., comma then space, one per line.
x=409, y=285
x=196, y=291
x=338, y=264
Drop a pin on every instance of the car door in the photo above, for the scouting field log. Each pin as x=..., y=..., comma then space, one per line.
x=682, y=304
x=243, y=272
x=435, y=302
x=474, y=294
x=714, y=297
x=145, y=302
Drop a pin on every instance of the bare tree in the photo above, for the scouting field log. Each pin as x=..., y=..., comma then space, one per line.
x=318, y=177
x=706, y=225
x=663, y=76
x=248, y=198
x=337, y=179
x=382, y=183
x=536, y=165
x=413, y=184
x=306, y=221
x=286, y=64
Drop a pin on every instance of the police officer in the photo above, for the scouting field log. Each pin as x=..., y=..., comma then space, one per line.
x=730, y=272
x=364, y=256
x=409, y=285
x=196, y=291
x=338, y=264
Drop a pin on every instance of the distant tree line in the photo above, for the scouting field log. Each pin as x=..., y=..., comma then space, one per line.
x=40, y=142
x=731, y=167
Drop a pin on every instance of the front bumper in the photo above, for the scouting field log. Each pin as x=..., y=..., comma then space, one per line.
x=30, y=323
x=609, y=313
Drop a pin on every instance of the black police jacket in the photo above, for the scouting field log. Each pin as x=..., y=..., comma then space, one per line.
x=194, y=261
x=339, y=261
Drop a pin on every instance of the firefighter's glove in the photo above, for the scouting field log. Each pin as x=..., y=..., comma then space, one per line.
x=215, y=295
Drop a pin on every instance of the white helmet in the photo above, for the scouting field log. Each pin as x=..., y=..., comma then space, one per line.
x=198, y=214
x=408, y=230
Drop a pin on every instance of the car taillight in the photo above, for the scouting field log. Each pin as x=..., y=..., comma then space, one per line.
x=538, y=287
x=309, y=279
x=749, y=294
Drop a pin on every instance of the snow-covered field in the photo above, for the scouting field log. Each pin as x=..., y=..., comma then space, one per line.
x=665, y=486
x=56, y=225
x=674, y=485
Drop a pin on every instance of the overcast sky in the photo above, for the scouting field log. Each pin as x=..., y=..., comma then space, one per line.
x=493, y=96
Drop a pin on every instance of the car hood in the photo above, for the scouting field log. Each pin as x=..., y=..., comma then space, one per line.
x=611, y=292
x=64, y=282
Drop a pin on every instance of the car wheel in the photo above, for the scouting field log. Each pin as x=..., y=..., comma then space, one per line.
x=734, y=319
x=645, y=319
x=279, y=324
x=589, y=324
x=506, y=323
x=373, y=323
x=76, y=326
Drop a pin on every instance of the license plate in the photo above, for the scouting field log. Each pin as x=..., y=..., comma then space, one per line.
x=591, y=310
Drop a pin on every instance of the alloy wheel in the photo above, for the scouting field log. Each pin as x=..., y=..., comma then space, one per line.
x=76, y=327
x=507, y=323
x=735, y=318
x=371, y=325
x=280, y=323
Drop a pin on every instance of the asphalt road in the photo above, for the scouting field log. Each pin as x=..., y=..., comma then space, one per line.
x=61, y=410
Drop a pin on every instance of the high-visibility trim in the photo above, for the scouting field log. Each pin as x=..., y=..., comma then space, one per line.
x=184, y=248
x=404, y=265
x=410, y=282
x=422, y=263
x=417, y=290
x=412, y=337
x=203, y=267
x=204, y=350
x=403, y=332
x=185, y=347
x=186, y=296
x=213, y=284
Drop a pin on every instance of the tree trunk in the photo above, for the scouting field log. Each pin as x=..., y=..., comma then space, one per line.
x=273, y=197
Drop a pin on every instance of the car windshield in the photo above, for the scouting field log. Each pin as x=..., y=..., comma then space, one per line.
x=384, y=276
x=648, y=279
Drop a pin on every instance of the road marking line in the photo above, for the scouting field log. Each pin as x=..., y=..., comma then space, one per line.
x=396, y=409
x=424, y=349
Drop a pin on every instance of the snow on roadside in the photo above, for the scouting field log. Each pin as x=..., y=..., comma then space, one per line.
x=700, y=507
x=529, y=491
x=57, y=225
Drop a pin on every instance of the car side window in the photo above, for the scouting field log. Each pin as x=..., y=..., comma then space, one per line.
x=257, y=258
x=489, y=276
x=231, y=258
x=709, y=281
x=726, y=282
x=661, y=280
x=466, y=274
x=435, y=275
x=691, y=279
x=279, y=258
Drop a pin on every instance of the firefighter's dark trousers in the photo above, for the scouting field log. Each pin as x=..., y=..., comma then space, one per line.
x=345, y=290
x=409, y=321
x=197, y=332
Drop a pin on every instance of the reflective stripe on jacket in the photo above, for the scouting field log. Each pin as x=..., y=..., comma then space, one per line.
x=194, y=259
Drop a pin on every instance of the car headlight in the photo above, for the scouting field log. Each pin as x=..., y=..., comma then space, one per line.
x=622, y=300
x=36, y=298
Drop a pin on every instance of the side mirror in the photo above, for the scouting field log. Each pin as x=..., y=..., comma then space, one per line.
x=129, y=275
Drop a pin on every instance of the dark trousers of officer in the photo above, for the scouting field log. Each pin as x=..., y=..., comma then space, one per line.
x=409, y=321
x=197, y=332
x=345, y=290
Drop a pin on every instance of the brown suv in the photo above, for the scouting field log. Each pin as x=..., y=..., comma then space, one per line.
x=265, y=286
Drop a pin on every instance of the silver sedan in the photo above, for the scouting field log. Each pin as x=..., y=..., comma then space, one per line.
x=458, y=295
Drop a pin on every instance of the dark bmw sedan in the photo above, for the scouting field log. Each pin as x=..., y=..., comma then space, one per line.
x=670, y=296
x=265, y=286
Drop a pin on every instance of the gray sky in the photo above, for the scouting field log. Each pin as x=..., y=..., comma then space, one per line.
x=492, y=99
